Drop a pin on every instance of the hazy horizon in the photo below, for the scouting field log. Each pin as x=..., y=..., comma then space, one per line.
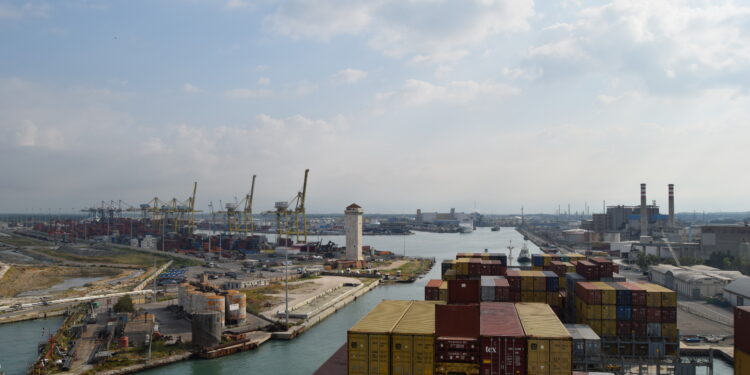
x=395, y=105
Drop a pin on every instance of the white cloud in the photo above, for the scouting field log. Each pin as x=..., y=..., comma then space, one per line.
x=423, y=31
x=264, y=81
x=17, y=12
x=417, y=93
x=305, y=88
x=245, y=93
x=236, y=4
x=348, y=76
x=187, y=87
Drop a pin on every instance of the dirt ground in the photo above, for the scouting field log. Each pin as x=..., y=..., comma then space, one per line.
x=25, y=278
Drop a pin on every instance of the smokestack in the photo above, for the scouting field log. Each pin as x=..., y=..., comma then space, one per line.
x=671, y=205
x=644, y=213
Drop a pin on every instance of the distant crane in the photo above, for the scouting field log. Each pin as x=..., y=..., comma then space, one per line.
x=671, y=251
x=241, y=221
x=292, y=223
x=180, y=215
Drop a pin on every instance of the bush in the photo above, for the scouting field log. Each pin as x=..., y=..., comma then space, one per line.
x=124, y=304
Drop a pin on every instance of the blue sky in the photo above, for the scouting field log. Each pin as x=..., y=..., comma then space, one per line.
x=395, y=105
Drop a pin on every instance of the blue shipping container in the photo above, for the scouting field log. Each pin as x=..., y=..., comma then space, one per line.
x=553, y=283
x=624, y=313
x=537, y=260
x=623, y=297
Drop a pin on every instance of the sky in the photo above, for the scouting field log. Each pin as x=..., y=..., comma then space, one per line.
x=392, y=104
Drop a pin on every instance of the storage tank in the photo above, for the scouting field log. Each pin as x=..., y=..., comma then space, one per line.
x=206, y=328
x=236, y=307
x=216, y=303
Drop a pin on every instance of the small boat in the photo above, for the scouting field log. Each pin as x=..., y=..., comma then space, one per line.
x=496, y=228
x=523, y=256
x=465, y=229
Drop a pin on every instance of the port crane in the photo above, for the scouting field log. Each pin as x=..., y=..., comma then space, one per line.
x=241, y=220
x=177, y=214
x=292, y=223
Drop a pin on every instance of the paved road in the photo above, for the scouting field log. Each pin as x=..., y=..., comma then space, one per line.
x=705, y=310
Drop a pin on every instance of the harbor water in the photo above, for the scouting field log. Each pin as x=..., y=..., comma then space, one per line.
x=19, y=342
x=306, y=353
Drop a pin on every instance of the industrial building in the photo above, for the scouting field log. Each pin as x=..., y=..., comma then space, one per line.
x=725, y=238
x=438, y=218
x=353, y=225
x=737, y=293
x=693, y=281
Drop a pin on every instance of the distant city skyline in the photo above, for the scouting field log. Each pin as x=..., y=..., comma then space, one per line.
x=395, y=105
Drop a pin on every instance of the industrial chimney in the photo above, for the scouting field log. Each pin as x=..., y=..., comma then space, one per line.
x=644, y=213
x=671, y=206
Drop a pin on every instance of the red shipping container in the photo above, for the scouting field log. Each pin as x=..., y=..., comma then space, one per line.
x=514, y=279
x=637, y=294
x=502, y=290
x=742, y=328
x=515, y=296
x=463, y=291
x=588, y=270
x=589, y=293
x=615, y=268
x=639, y=327
x=457, y=320
x=432, y=290
x=669, y=315
x=502, y=340
x=604, y=266
x=457, y=349
x=496, y=268
x=638, y=314
x=653, y=314
x=624, y=328
x=475, y=267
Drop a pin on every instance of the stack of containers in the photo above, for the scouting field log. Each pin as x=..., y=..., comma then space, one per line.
x=571, y=279
x=587, y=346
x=604, y=267
x=588, y=270
x=548, y=342
x=368, y=341
x=413, y=341
x=457, y=339
x=502, y=340
x=444, y=291
x=495, y=289
x=432, y=290
x=514, y=280
x=463, y=291
x=475, y=265
x=447, y=264
x=609, y=309
x=662, y=306
x=742, y=340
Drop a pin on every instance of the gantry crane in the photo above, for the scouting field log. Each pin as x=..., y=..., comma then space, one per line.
x=292, y=223
x=240, y=221
x=179, y=215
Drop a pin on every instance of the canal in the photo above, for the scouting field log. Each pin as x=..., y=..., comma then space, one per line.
x=19, y=341
x=306, y=353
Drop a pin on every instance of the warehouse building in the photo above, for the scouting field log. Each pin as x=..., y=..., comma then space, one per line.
x=693, y=281
x=738, y=292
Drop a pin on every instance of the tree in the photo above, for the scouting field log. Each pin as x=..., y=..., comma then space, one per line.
x=124, y=304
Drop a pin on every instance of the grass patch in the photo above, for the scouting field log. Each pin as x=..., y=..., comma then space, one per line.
x=263, y=298
x=26, y=278
x=15, y=240
x=120, y=256
x=411, y=268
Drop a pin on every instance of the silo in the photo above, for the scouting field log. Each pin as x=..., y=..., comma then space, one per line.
x=216, y=303
x=236, y=305
x=207, y=328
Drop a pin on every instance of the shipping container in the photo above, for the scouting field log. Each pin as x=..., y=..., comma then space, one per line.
x=586, y=343
x=609, y=327
x=552, y=281
x=653, y=315
x=656, y=350
x=457, y=320
x=741, y=328
x=413, y=341
x=604, y=266
x=653, y=329
x=637, y=294
x=450, y=275
x=463, y=291
x=368, y=341
x=447, y=264
x=462, y=266
x=443, y=290
x=624, y=295
x=589, y=292
x=609, y=312
x=669, y=331
x=502, y=290
x=527, y=280
x=514, y=279
x=503, y=341
x=432, y=290
x=741, y=362
x=451, y=368
x=653, y=294
x=638, y=327
x=488, y=288
x=475, y=267
x=457, y=349
x=548, y=342
x=624, y=328
x=609, y=294
x=540, y=281
x=588, y=270
x=624, y=313
x=669, y=315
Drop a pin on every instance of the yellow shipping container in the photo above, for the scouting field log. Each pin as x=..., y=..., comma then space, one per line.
x=443, y=291
x=368, y=341
x=413, y=341
x=547, y=259
x=548, y=342
x=537, y=268
x=449, y=275
x=540, y=297
x=527, y=296
x=609, y=312
x=609, y=328
x=741, y=362
x=590, y=311
x=540, y=281
x=569, y=267
x=609, y=294
x=668, y=296
x=462, y=266
x=527, y=280
x=653, y=294
x=596, y=325
x=669, y=330
x=563, y=283
x=452, y=368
